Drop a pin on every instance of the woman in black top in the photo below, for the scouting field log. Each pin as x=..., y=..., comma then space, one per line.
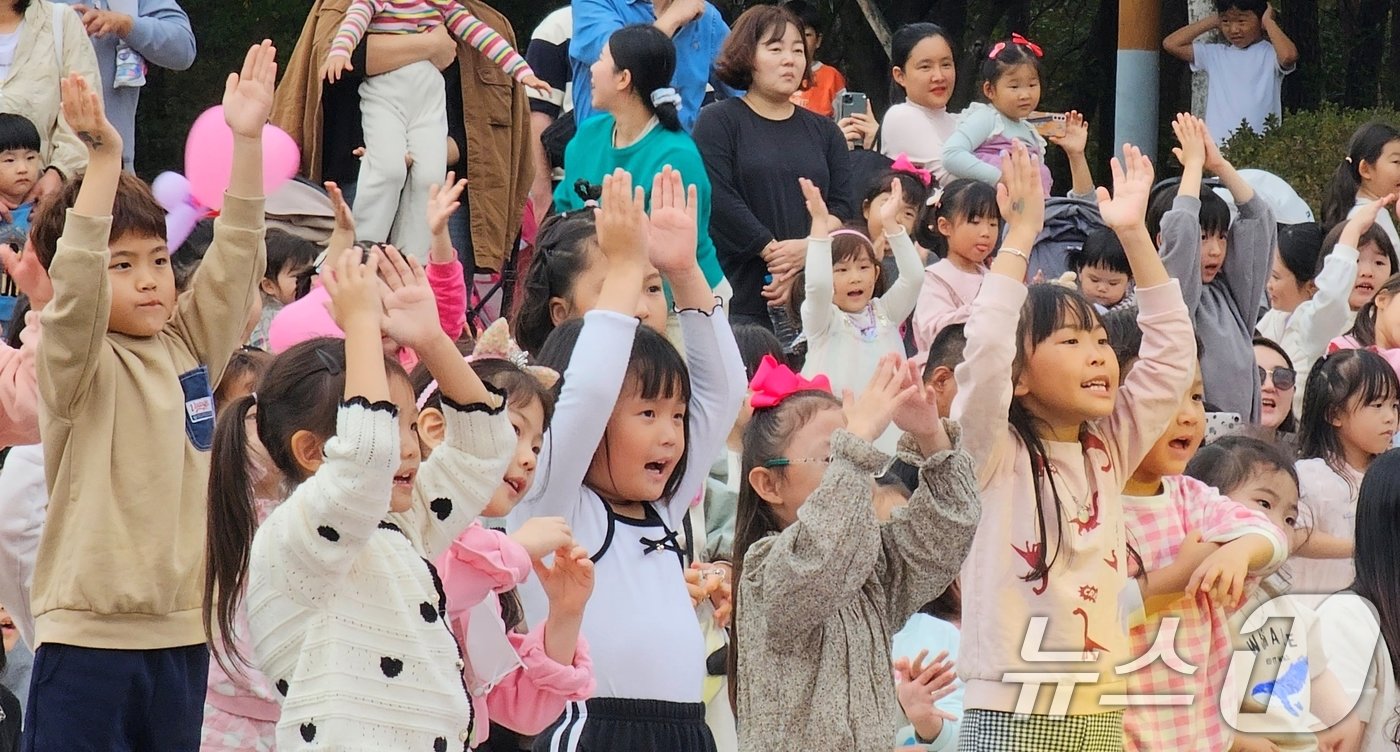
x=755, y=148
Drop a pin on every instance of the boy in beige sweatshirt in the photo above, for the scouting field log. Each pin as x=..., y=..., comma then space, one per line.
x=126, y=371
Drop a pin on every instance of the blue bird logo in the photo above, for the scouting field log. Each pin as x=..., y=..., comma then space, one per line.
x=1286, y=688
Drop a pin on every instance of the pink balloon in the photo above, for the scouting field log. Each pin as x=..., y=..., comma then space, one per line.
x=209, y=158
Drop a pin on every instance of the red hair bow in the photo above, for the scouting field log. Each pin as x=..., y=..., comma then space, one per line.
x=902, y=164
x=773, y=382
x=1019, y=41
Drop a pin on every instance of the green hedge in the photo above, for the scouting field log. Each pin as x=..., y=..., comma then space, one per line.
x=1305, y=147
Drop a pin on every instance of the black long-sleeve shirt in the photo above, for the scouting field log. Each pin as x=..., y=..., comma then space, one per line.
x=754, y=164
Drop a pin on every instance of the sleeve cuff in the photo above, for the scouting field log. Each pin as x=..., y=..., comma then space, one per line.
x=573, y=682
x=366, y=434
x=479, y=429
x=1346, y=252
x=244, y=213
x=1188, y=204
x=1159, y=298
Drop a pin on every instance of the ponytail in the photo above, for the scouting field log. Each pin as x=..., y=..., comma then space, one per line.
x=650, y=56
x=1366, y=145
x=232, y=522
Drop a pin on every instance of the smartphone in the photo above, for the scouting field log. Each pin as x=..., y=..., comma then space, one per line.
x=1050, y=124
x=850, y=103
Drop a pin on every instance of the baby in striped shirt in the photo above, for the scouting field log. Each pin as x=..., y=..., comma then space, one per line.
x=404, y=113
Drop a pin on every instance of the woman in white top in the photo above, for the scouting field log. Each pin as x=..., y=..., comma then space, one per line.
x=923, y=66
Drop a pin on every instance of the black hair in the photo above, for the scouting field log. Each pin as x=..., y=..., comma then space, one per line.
x=1367, y=145
x=1364, y=329
x=287, y=250
x=1290, y=423
x=244, y=362
x=1232, y=461
x=655, y=369
x=650, y=56
x=187, y=258
x=902, y=45
x=1336, y=383
x=765, y=438
x=1214, y=214
x=948, y=605
x=301, y=390
x=1377, y=566
x=563, y=252
x=962, y=200
x=808, y=14
x=946, y=350
x=756, y=341
x=1300, y=250
x=1102, y=249
x=1124, y=335
x=1011, y=55
x=16, y=326
x=915, y=192
x=1257, y=7
x=18, y=132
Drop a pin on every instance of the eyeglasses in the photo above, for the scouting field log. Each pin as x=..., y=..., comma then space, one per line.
x=1284, y=378
x=784, y=461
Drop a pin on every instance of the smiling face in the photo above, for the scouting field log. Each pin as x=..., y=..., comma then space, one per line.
x=1372, y=269
x=644, y=442
x=1272, y=491
x=1285, y=292
x=609, y=84
x=1070, y=377
x=928, y=77
x=401, y=392
x=1182, y=437
x=779, y=65
x=8, y=630
x=1017, y=93
x=528, y=422
x=1275, y=403
x=907, y=218
x=142, y=285
x=853, y=282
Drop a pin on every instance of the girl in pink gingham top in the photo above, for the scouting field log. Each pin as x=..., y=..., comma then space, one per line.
x=1055, y=436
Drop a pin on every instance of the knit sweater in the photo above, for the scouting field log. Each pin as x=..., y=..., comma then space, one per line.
x=413, y=16
x=347, y=616
x=819, y=599
x=1078, y=604
x=1226, y=310
x=127, y=424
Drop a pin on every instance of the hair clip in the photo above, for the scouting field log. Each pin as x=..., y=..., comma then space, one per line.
x=665, y=95
x=1019, y=41
x=935, y=199
x=590, y=194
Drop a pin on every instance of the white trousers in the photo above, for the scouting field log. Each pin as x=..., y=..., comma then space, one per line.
x=404, y=112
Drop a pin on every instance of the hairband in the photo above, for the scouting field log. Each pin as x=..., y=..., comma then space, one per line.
x=856, y=233
x=904, y=165
x=496, y=344
x=665, y=95
x=1019, y=41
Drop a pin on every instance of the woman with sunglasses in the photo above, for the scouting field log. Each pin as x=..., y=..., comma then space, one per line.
x=1278, y=385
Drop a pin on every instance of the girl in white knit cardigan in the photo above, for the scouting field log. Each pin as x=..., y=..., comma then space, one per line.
x=345, y=611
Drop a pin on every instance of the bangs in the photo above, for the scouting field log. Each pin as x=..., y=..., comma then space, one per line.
x=776, y=30
x=851, y=245
x=1050, y=307
x=972, y=200
x=1374, y=379
x=656, y=369
x=1215, y=213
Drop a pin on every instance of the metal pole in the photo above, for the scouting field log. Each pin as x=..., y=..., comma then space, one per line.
x=1137, y=90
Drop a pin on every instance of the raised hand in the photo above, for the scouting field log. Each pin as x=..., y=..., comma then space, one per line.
x=443, y=201
x=623, y=228
x=568, y=582
x=674, y=223
x=920, y=686
x=540, y=536
x=1132, y=186
x=1075, y=139
x=83, y=110
x=248, y=94
x=29, y=275
x=410, y=310
x=1020, y=194
x=920, y=417
x=355, y=293
x=869, y=414
x=889, y=211
x=816, y=207
x=1191, y=135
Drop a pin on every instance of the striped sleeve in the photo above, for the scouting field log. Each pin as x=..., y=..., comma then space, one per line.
x=485, y=39
x=353, y=28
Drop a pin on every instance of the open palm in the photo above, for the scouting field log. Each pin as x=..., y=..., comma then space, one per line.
x=673, y=223
x=248, y=94
x=410, y=310
x=1132, y=186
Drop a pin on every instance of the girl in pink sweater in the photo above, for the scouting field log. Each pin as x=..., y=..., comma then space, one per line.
x=1054, y=443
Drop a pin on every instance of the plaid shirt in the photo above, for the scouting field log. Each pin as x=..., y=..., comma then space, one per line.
x=1156, y=526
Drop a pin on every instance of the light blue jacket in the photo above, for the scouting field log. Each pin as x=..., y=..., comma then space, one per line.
x=924, y=632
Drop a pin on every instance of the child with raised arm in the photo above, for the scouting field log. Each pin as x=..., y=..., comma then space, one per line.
x=404, y=112
x=126, y=371
x=1222, y=274
x=1246, y=73
x=1055, y=436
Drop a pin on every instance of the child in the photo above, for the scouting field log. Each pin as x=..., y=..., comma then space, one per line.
x=944, y=355
x=519, y=682
x=1367, y=173
x=1011, y=84
x=19, y=389
x=848, y=323
x=20, y=168
x=1054, y=437
x=565, y=276
x=966, y=224
x=1349, y=417
x=241, y=376
x=824, y=83
x=1291, y=280
x=925, y=71
x=1222, y=267
x=914, y=186
x=821, y=580
x=1246, y=73
x=404, y=112
x=289, y=260
x=1377, y=326
x=345, y=613
x=628, y=450
x=1164, y=513
x=1268, y=700
x=928, y=695
x=126, y=374
x=1102, y=269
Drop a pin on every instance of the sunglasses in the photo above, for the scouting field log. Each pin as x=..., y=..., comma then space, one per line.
x=1284, y=378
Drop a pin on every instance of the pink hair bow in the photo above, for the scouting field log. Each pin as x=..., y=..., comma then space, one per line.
x=1019, y=41
x=902, y=164
x=773, y=382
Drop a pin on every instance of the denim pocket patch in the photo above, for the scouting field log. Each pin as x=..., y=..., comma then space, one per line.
x=199, y=408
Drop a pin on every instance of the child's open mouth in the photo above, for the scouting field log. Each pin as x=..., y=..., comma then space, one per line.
x=1364, y=287
x=657, y=468
x=1180, y=443
x=404, y=480
x=516, y=485
x=1098, y=386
